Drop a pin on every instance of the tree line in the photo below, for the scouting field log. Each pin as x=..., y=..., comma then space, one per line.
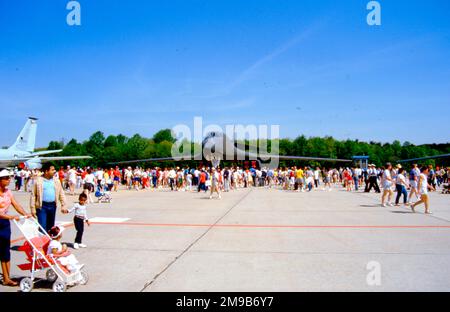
x=116, y=148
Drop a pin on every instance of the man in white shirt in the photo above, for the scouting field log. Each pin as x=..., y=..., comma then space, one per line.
x=356, y=175
x=196, y=176
x=99, y=176
x=172, y=176
x=373, y=179
x=317, y=173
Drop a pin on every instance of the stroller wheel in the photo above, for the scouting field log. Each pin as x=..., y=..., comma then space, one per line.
x=26, y=284
x=59, y=286
x=51, y=275
x=84, y=278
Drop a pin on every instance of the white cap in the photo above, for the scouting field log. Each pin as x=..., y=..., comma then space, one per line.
x=61, y=230
x=5, y=173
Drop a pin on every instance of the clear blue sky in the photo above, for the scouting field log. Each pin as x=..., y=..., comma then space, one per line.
x=313, y=67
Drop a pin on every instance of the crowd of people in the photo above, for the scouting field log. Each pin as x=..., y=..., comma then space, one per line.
x=49, y=187
x=386, y=180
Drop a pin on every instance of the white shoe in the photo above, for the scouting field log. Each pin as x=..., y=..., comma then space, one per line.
x=82, y=245
x=76, y=246
x=391, y=204
x=210, y=197
x=383, y=205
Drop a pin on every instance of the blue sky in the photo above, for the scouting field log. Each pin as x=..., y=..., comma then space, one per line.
x=312, y=67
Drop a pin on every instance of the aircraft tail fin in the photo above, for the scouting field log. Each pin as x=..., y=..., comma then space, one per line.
x=27, y=138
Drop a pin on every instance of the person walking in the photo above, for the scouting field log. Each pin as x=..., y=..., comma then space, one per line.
x=79, y=219
x=414, y=181
x=401, y=187
x=357, y=172
x=72, y=178
x=373, y=182
x=423, y=191
x=6, y=200
x=387, y=186
x=45, y=195
x=214, y=183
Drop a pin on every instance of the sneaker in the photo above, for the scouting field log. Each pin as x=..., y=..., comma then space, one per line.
x=383, y=205
x=210, y=197
x=428, y=212
x=391, y=204
x=82, y=245
x=76, y=246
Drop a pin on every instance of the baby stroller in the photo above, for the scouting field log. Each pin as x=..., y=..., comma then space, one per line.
x=103, y=196
x=35, y=248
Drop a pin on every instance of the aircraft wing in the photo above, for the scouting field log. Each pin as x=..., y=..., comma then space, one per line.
x=35, y=162
x=45, y=153
x=312, y=158
x=143, y=160
x=44, y=159
x=424, y=158
x=283, y=157
x=181, y=158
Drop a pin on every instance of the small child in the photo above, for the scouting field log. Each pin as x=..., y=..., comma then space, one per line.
x=60, y=252
x=79, y=219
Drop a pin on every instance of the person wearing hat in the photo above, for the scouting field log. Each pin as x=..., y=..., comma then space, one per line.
x=6, y=200
x=60, y=251
x=45, y=195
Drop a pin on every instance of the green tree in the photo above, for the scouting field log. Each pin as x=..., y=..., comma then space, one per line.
x=164, y=135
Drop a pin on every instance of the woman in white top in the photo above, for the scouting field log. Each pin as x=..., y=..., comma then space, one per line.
x=214, y=183
x=89, y=182
x=401, y=186
x=387, y=186
x=423, y=191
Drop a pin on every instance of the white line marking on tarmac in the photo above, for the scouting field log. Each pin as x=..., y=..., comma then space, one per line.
x=63, y=223
x=96, y=220
x=108, y=220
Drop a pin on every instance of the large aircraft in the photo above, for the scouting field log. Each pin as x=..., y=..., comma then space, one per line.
x=22, y=151
x=217, y=147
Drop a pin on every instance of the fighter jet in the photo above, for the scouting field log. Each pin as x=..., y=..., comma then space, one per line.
x=22, y=151
x=217, y=147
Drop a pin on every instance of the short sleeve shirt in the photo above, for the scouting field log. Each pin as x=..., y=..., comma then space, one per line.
x=5, y=200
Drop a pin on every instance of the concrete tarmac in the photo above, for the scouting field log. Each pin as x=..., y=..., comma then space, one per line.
x=257, y=240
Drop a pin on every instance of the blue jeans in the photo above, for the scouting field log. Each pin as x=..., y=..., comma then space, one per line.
x=46, y=215
x=356, y=180
x=401, y=189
